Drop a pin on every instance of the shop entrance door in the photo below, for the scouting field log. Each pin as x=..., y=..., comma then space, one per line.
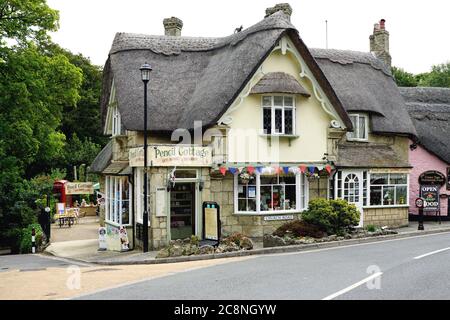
x=353, y=190
x=182, y=210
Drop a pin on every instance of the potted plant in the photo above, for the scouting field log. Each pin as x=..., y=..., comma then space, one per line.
x=245, y=177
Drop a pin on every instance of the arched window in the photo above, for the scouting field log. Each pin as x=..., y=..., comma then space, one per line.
x=351, y=188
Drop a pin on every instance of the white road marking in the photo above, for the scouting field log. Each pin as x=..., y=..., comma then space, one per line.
x=344, y=246
x=430, y=253
x=353, y=286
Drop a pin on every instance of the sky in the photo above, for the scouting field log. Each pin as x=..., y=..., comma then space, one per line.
x=419, y=30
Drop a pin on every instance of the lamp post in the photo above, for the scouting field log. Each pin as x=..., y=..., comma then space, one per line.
x=145, y=73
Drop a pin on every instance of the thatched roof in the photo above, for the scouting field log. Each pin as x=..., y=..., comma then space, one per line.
x=195, y=78
x=429, y=109
x=368, y=155
x=363, y=83
x=102, y=160
x=279, y=82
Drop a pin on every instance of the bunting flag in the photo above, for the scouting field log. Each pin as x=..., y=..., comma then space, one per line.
x=232, y=170
x=240, y=169
x=320, y=168
x=328, y=168
x=303, y=168
x=251, y=169
x=286, y=170
x=223, y=170
x=259, y=169
x=294, y=170
x=311, y=169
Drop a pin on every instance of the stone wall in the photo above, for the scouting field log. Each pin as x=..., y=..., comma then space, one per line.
x=391, y=217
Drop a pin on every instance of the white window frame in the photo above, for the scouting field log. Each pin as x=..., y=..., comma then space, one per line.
x=116, y=122
x=139, y=195
x=113, y=201
x=369, y=186
x=356, y=127
x=301, y=196
x=282, y=108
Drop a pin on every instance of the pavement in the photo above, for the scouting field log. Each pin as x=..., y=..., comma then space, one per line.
x=42, y=277
x=87, y=250
x=413, y=268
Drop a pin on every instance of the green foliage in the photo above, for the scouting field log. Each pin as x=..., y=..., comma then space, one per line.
x=41, y=86
x=331, y=216
x=371, y=228
x=24, y=20
x=25, y=238
x=438, y=77
x=299, y=228
x=403, y=78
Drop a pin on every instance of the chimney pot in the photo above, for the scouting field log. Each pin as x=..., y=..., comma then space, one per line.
x=173, y=26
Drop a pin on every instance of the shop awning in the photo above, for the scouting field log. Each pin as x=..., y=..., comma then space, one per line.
x=116, y=167
x=279, y=82
x=368, y=155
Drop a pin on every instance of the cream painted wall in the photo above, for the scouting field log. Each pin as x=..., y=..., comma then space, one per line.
x=245, y=143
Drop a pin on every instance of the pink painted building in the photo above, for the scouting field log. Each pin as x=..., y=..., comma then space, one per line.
x=429, y=109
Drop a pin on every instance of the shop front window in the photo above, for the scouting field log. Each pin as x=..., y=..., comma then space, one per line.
x=117, y=202
x=264, y=194
x=278, y=193
x=388, y=189
x=247, y=193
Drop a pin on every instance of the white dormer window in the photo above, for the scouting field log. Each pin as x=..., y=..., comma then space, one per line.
x=278, y=116
x=116, y=122
x=360, y=127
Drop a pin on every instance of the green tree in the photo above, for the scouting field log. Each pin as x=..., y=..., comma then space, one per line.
x=25, y=20
x=403, y=78
x=438, y=77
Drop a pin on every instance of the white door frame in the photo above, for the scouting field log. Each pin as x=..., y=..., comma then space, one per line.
x=358, y=192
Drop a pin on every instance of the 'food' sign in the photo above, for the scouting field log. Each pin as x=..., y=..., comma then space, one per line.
x=430, y=194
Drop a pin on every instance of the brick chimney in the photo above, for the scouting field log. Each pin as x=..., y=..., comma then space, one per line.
x=285, y=7
x=173, y=26
x=379, y=42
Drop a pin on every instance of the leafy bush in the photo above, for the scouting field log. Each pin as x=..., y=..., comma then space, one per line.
x=299, y=228
x=331, y=216
x=25, y=238
x=371, y=228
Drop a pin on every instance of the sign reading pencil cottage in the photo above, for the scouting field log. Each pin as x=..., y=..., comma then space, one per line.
x=281, y=124
x=172, y=156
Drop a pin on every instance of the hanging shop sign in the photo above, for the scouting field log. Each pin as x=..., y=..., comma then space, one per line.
x=430, y=195
x=79, y=188
x=432, y=177
x=172, y=156
x=448, y=178
x=211, y=221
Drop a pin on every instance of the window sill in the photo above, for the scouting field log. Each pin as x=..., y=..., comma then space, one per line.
x=290, y=136
x=271, y=213
x=388, y=206
x=115, y=224
x=358, y=140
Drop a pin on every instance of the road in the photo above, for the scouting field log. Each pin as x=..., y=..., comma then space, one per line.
x=412, y=268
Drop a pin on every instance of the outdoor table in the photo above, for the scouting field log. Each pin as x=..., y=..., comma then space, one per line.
x=66, y=219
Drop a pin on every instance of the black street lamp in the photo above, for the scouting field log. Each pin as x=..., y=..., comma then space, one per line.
x=145, y=73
